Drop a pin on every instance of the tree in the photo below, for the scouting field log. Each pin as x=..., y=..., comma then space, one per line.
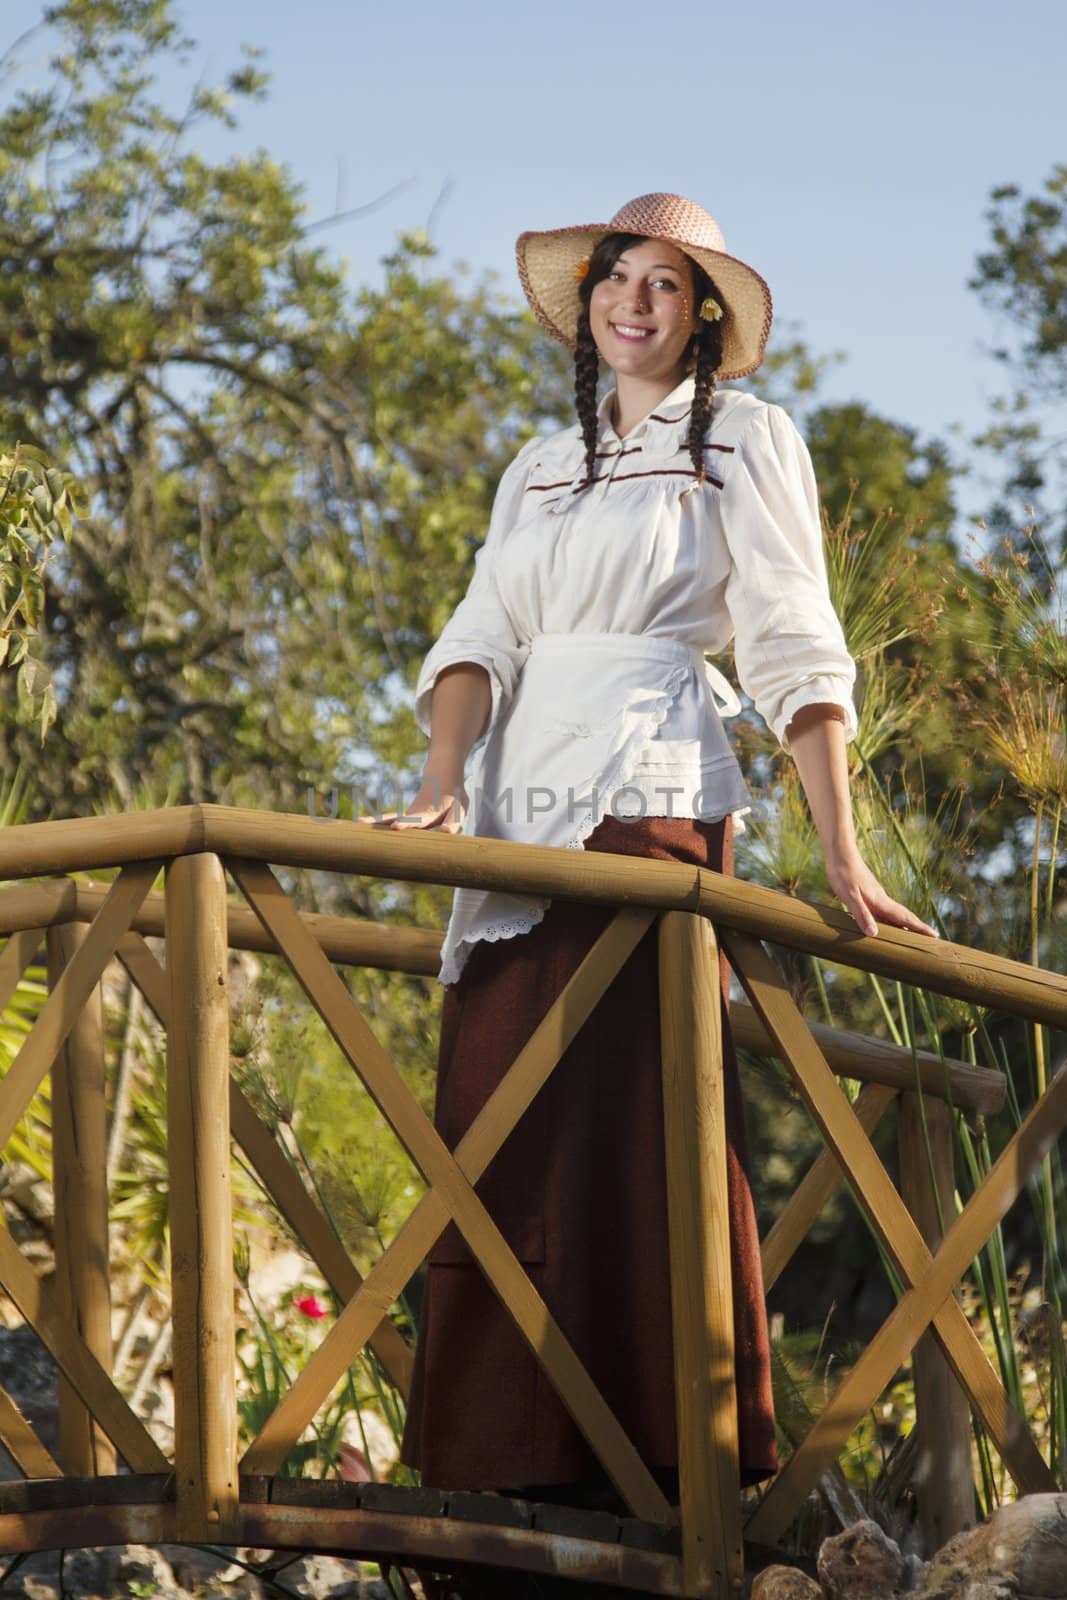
x=1022, y=277
x=272, y=466
x=36, y=502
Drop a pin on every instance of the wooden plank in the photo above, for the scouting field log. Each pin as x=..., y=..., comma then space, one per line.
x=17, y=954
x=426, y=855
x=276, y=1173
x=347, y=941
x=22, y=1444
x=702, y=1316
x=943, y=1476
x=79, y=1162
x=433, y=1542
x=78, y=1364
x=61, y=1010
x=33, y=907
x=854, y=1055
x=64, y=1494
x=816, y=1186
x=201, y=1206
x=889, y=1216
x=78, y=844
x=331, y=999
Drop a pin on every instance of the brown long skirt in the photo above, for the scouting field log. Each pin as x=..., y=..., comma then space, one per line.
x=579, y=1191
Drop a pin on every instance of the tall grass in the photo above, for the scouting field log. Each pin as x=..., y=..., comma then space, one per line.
x=922, y=845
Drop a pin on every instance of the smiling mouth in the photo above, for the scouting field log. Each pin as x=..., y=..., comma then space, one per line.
x=632, y=335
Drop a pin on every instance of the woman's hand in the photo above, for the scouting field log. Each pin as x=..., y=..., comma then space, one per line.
x=863, y=897
x=437, y=804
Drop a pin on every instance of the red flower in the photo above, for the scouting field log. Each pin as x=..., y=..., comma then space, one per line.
x=311, y=1307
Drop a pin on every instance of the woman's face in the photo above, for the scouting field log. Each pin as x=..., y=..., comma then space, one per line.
x=642, y=314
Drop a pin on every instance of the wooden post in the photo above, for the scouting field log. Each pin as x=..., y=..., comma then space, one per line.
x=201, y=1221
x=701, y=1289
x=79, y=1169
x=944, y=1476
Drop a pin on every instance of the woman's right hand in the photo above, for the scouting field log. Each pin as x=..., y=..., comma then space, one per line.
x=436, y=805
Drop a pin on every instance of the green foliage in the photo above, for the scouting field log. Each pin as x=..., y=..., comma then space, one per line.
x=36, y=502
x=1022, y=278
x=273, y=462
x=1024, y=274
x=874, y=469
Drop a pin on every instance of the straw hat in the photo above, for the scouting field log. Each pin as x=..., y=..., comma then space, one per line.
x=549, y=263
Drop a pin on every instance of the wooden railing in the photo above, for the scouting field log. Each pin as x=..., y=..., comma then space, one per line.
x=208, y=1494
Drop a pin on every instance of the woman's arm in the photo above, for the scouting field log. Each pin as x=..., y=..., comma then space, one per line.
x=459, y=713
x=818, y=748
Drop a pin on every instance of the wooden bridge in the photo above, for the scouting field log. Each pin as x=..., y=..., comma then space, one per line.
x=207, y=1494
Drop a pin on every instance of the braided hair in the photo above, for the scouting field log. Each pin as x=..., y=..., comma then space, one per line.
x=703, y=357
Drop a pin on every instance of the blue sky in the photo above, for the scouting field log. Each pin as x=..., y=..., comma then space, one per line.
x=847, y=150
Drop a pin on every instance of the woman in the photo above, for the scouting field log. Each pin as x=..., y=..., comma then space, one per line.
x=673, y=516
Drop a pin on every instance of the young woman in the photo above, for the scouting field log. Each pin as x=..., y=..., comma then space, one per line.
x=673, y=516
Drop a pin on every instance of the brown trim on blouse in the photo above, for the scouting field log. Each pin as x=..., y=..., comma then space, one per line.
x=625, y=477
x=661, y=472
x=727, y=449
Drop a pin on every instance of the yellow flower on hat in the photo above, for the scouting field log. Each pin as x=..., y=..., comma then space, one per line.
x=582, y=269
x=710, y=309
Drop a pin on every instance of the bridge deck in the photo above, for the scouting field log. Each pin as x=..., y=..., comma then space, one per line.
x=425, y=1528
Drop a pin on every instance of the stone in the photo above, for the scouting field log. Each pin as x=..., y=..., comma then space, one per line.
x=322, y=1577
x=784, y=1583
x=116, y=1570
x=31, y=1378
x=1020, y=1553
x=862, y=1563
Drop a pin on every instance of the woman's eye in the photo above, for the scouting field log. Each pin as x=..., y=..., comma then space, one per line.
x=666, y=283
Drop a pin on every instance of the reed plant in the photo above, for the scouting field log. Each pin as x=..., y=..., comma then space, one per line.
x=922, y=842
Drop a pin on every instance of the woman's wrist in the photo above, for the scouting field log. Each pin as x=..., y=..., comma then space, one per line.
x=445, y=761
x=842, y=849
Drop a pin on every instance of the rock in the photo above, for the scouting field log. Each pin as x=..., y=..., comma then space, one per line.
x=114, y=1571
x=323, y=1578
x=31, y=1378
x=862, y=1563
x=784, y=1583
x=1019, y=1554
x=34, y=1579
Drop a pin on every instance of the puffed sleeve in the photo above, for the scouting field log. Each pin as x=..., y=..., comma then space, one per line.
x=479, y=629
x=789, y=646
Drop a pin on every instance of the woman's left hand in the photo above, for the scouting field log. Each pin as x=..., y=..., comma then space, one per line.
x=863, y=897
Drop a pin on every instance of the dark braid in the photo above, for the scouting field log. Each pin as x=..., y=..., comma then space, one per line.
x=586, y=368
x=708, y=353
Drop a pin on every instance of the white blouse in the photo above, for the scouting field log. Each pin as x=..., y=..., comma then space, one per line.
x=593, y=610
